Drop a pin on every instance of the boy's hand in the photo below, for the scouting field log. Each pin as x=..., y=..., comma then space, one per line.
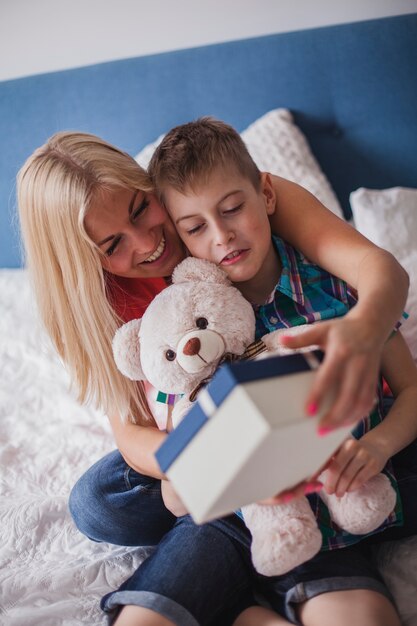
x=353, y=464
x=350, y=368
x=171, y=499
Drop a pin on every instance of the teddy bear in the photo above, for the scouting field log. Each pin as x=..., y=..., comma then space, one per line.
x=187, y=331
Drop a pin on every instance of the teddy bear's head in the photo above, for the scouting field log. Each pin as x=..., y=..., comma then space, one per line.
x=186, y=330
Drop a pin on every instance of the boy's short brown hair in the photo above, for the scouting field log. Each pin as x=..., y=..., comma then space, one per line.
x=189, y=153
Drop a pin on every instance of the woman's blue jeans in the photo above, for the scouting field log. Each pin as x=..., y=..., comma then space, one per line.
x=113, y=503
x=203, y=575
x=198, y=575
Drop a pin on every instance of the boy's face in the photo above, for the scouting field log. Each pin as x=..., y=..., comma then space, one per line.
x=225, y=220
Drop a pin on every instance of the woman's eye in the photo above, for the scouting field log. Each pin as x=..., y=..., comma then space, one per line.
x=113, y=246
x=140, y=209
x=201, y=323
x=170, y=355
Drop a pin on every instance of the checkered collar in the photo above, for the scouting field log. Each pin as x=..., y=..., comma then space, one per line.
x=289, y=283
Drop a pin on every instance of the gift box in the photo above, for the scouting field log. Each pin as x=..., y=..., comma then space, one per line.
x=247, y=437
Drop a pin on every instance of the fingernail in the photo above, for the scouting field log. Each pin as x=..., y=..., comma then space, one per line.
x=287, y=498
x=324, y=430
x=312, y=408
x=312, y=489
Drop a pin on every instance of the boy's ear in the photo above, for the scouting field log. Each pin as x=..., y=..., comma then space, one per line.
x=268, y=192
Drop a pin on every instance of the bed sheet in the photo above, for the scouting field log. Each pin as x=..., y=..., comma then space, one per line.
x=50, y=574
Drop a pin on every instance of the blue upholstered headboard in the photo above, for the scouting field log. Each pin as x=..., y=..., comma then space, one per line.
x=352, y=88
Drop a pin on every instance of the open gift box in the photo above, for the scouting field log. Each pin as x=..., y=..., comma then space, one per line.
x=247, y=437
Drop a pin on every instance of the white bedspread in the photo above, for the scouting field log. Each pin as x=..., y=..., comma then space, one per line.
x=50, y=575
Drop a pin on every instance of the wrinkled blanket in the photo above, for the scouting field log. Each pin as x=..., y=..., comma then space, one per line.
x=51, y=575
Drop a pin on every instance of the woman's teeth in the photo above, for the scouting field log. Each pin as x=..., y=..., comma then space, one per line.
x=158, y=252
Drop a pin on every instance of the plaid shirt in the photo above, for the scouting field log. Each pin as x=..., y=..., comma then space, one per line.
x=305, y=294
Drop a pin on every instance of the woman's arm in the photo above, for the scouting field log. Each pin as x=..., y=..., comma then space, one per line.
x=353, y=344
x=324, y=238
x=138, y=444
x=358, y=461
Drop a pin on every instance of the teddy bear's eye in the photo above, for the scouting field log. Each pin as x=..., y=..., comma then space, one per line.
x=202, y=323
x=170, y=355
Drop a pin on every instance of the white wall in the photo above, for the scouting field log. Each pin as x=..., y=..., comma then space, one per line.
x=45, y=35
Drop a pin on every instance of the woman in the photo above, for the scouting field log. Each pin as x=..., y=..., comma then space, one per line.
x=77, y=185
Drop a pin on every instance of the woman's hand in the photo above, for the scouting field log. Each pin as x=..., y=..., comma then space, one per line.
x=354, y=464
x=171, y=499
x=349, y=372
x=297, y=491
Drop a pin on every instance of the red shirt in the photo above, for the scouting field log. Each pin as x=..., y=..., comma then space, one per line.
x=130, y=297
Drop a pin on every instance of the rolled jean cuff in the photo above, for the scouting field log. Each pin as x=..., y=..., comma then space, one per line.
x=310, y=589
x=149, y=600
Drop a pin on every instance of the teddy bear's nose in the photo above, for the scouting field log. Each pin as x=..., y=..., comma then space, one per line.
x=192, y=347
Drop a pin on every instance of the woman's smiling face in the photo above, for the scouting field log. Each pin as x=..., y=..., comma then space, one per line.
x=134, y=233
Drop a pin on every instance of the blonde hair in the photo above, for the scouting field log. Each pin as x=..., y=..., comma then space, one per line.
x=55, y=188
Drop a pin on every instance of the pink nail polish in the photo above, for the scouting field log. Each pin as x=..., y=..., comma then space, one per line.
x=312, y=409
x=324, y=430
x=312, y=489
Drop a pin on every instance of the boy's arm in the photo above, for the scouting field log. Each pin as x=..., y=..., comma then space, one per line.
x=353, y=344
x=399, y=428
x=357, y=461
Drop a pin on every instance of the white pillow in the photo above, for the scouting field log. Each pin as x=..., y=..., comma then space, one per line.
x=389, y=218
x=145, y=155
x=278, y=146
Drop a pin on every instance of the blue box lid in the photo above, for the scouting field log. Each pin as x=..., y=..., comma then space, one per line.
x=227, y=377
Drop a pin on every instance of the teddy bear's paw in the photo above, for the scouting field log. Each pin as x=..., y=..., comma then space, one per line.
x=283, y=536
x=365, y=509
x=279, y=552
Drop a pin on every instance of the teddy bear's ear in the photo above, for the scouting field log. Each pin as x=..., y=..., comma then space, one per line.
x=196, y=270
x=126, y=350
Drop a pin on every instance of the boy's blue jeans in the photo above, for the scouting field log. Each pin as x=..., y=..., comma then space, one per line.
x=203, y=574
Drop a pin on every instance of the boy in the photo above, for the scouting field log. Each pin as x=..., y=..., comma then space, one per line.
x=220, y=202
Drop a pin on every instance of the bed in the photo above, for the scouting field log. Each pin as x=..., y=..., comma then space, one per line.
x=332, y=108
